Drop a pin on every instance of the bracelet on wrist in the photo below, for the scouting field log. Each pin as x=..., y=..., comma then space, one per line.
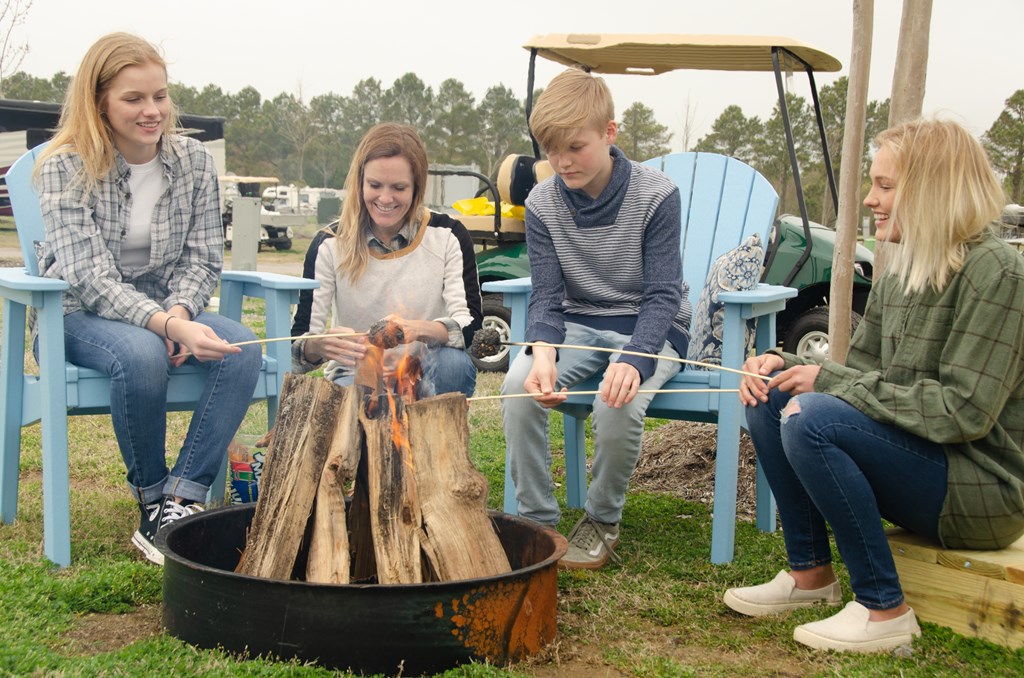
x=166, y=323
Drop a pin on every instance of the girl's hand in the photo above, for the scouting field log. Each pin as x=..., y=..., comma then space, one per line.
x=199, y=340
x=796, y=380
x=752, y=389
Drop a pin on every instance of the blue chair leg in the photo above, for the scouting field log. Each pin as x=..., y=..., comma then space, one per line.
x=575, y=461
x=723, y=525
x=511, y=505
x=12, y=357
x=56, y=485
x=765, y=508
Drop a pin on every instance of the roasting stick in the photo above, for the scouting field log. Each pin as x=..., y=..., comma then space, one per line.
x=643, y=390
x=267, y=341
x=711, y=366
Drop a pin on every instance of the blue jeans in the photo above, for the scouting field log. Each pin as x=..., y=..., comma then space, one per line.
x=617, y=432
x=136, y=361
x=445, y=370
x=831, y=463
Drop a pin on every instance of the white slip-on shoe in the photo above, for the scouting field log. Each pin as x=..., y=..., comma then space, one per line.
x=780, y=595
x=851, y=630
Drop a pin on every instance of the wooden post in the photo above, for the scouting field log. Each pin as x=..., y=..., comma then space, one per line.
x=458, y=537
x=841, y=287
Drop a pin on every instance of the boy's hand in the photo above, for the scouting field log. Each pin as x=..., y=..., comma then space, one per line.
x=620, y=384
x=542, y=377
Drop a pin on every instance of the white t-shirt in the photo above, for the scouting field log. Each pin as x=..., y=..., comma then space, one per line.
x=147, y=184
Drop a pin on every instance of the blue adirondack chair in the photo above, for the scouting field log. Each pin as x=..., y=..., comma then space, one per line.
x=724, y=202
x=62, y=389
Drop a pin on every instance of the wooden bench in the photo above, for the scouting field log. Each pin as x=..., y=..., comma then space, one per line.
x=979, y=594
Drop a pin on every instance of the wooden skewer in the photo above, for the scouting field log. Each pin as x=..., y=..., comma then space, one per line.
x=267, y=341
x=642, y=355
x=643, y=390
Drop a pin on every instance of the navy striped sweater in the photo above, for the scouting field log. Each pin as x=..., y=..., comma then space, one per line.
x=609, y=263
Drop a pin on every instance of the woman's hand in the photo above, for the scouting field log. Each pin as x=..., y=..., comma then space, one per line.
x=541, y=379
x=620, y=384
x=796, y=380
x=345, y=350
x=752, y=389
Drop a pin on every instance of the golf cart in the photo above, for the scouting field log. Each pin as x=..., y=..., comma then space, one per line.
x=800, y=254
x=275, y=227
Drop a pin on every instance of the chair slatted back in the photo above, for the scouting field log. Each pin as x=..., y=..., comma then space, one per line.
x=724, y=201
x=28, y=218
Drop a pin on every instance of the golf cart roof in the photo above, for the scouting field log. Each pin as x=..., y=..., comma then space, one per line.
x=652, y=54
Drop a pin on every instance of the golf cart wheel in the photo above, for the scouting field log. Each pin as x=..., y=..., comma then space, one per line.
x=499, y=319
x=807, y=336
x=284, y=244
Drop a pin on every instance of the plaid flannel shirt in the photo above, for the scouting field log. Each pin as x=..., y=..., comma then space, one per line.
x=84, y=233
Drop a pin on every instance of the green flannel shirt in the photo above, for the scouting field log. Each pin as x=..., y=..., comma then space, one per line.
x=949, y=367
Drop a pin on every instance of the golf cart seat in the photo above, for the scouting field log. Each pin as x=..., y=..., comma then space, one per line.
x=517, y=174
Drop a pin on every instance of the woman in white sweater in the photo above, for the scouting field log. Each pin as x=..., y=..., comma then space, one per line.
x=393, y=259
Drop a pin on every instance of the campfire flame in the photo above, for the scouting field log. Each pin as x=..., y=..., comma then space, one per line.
x=407, y=375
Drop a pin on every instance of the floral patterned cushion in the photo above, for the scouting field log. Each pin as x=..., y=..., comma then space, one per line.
x=738, y=269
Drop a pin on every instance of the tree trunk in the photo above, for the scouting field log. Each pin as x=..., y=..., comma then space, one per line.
x=841, y=291
x=908, y=80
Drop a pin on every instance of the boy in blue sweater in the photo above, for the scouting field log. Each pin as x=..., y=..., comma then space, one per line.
x=603, y=237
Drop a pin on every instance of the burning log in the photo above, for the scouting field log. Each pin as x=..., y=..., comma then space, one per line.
x=418, y=510
x=307, y=425
x=395, y=518
x=457, y=537
x=329, y=558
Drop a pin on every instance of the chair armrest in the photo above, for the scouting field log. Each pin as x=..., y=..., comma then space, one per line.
x=761, y=294
x=513, y=286
x=275, y=281
x=19, y=279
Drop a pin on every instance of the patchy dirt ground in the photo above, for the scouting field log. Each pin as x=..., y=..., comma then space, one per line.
x=679, y=459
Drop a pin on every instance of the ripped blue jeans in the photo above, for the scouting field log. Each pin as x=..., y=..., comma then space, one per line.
x=829, y=463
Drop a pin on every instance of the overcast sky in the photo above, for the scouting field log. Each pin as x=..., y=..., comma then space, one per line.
x=318, y=46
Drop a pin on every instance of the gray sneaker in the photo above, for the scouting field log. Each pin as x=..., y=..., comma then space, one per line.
x=591, y=545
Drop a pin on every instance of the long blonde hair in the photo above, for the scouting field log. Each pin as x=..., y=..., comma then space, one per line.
x=83, y=127
x=946, y=197
x=386, y=140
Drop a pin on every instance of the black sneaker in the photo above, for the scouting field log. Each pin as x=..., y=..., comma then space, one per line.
x=144, y=538
x=175, y=511
x=154, y=518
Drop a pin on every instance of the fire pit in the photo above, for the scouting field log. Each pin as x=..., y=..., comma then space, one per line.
x=367, y=628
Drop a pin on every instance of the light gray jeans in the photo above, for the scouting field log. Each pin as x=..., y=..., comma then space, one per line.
x=617, y=432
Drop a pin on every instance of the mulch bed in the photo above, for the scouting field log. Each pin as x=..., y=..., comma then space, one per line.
x=679, y=459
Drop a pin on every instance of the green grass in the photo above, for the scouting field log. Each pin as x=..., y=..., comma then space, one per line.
x=658, y=614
